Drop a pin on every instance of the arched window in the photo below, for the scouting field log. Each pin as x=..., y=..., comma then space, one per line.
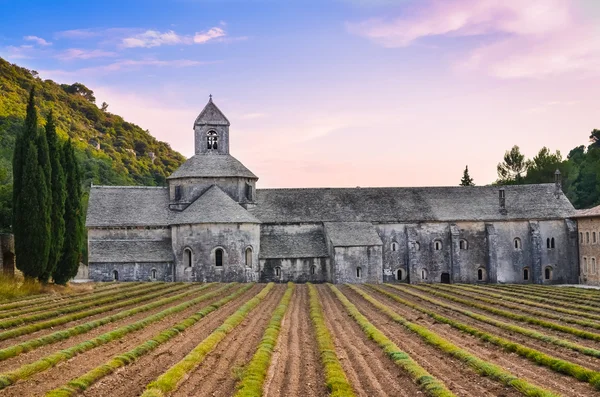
x=417, y=246
x=585, y=265
x=313, y=270
x=249, y=257
x=526, y=274
x=594, y=241
x=517, y=243
x=580, y=237
x=395, y=246
x=593, y=265
x=187, y=257
x=548, y=243
x=463, y=244
x=153, y=274
x=437, y=245
x=219, y=257
x=423, y=274
x=277, y=271
x=481, y=276
x=358, y=272
x=115, y=275
x=399, y=274
x=552, y=245
x=587, y=237
x=548, y=273
x=211, y=140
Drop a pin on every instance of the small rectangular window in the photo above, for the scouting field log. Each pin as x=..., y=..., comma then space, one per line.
x=594, y=237
x=249, y=192
x=177, y=193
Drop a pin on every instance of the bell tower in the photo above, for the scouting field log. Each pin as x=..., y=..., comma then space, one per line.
x=211, y=130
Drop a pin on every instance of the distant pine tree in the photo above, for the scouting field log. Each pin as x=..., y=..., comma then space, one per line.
x=68, y=265
x=31, y=201
x=466, y=179
x=59, y=194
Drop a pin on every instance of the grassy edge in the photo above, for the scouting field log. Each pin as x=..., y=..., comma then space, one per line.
x=255, y=373
x=430, y=385
x=482, y=367
x=558, y=365
x=335, y=377
x=171, y=378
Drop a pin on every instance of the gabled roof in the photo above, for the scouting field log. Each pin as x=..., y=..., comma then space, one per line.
x=119, y=251
x=590, y=212
x=211, y=115
x=128, y=206
x=212, y=165
x=213, y=206
x=351, y=234
x=412, y=204
x=285, y=244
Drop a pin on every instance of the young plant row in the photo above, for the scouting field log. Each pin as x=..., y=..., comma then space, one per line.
x=44, y=306
x=59, y=320
x=507, y=314
x=482, y=367
x=550, y=297
x=509, y=327
x=536, y=313
x=27, y=370
x=556, y=364
x=572, y=291
x=335, y=377
x=556, y=293
x=171, y=379
x=27, y=301
x=58, y=336
x=430, y=385
x=529, y=302
x=82, y=383
x=255, y=373
x=11, y=322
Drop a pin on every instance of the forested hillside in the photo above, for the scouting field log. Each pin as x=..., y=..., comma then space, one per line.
x=110, y=150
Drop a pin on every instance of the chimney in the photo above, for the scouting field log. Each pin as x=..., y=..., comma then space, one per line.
x=502, y=199
x=557, y=183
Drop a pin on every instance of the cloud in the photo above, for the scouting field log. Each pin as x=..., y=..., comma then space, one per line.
x=537, y=38
x=212, y=33
x=37, y=40
x=77, y=34
x=21, y=52
x=154, y=38
x=77, y=53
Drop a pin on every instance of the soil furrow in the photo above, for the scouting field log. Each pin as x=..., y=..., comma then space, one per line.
x=131, y=380
x=296, y=368
x=458, y=376
x=221, y=369
x=517, y=365
x=80, y=364
x=369, y=371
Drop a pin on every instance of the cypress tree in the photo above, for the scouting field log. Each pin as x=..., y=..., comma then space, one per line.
x=466, y=180
x=68, y=265
x=58, y=195
x=31, y=201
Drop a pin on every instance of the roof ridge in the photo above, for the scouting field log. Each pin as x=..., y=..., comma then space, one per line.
x=127, y=187
x=406, y=187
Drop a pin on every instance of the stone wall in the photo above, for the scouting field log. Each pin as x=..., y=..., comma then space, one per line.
x=347, y=260
x=131, y=271
x=295, y=269
x=204, y=239
x=589, y=250
x=192, y=188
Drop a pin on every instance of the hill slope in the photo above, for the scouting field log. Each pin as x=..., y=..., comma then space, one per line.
x=111, y=151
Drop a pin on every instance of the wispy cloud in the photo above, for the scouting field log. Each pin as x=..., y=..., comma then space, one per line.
x=77, y=53
x=154, y=38
x=77, y=34
x=37, y=40
x=536, y=38
x=20, y=52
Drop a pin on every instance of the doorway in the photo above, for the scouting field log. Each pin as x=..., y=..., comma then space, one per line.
x=445, y=278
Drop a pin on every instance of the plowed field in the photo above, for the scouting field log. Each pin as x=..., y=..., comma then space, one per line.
x=177, y=339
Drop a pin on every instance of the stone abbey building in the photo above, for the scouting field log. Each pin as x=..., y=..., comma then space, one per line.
x=212, y=224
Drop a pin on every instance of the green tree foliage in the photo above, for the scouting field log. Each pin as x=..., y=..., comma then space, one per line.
x=31, y=197
x=543, y=166
x=77, y=117
x=512, y=170
x=58, y=192
x=466, y=179
x=68, y=264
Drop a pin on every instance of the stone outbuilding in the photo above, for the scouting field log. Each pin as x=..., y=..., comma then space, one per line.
x=588, y=224
x=211, y=223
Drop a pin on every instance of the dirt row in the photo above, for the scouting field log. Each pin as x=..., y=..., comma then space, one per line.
x=511, y=362
x=40, y=383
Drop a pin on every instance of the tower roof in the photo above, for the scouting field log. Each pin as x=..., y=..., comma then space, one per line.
x=213, y=166
x=211, y=115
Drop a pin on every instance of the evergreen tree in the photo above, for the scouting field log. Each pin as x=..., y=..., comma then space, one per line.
x=466, y=179
x=512, y=170
x=58, y=194
x=68, y=265
x=31, y=201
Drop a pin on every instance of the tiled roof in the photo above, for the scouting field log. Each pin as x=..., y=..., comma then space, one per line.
x=119, y=251
x=411, y=204
x=285, y=244
x=351, y=234
x=212, y=166
x=590, y=212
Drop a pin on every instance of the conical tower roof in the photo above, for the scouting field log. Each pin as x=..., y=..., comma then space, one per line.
x=211, y=115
